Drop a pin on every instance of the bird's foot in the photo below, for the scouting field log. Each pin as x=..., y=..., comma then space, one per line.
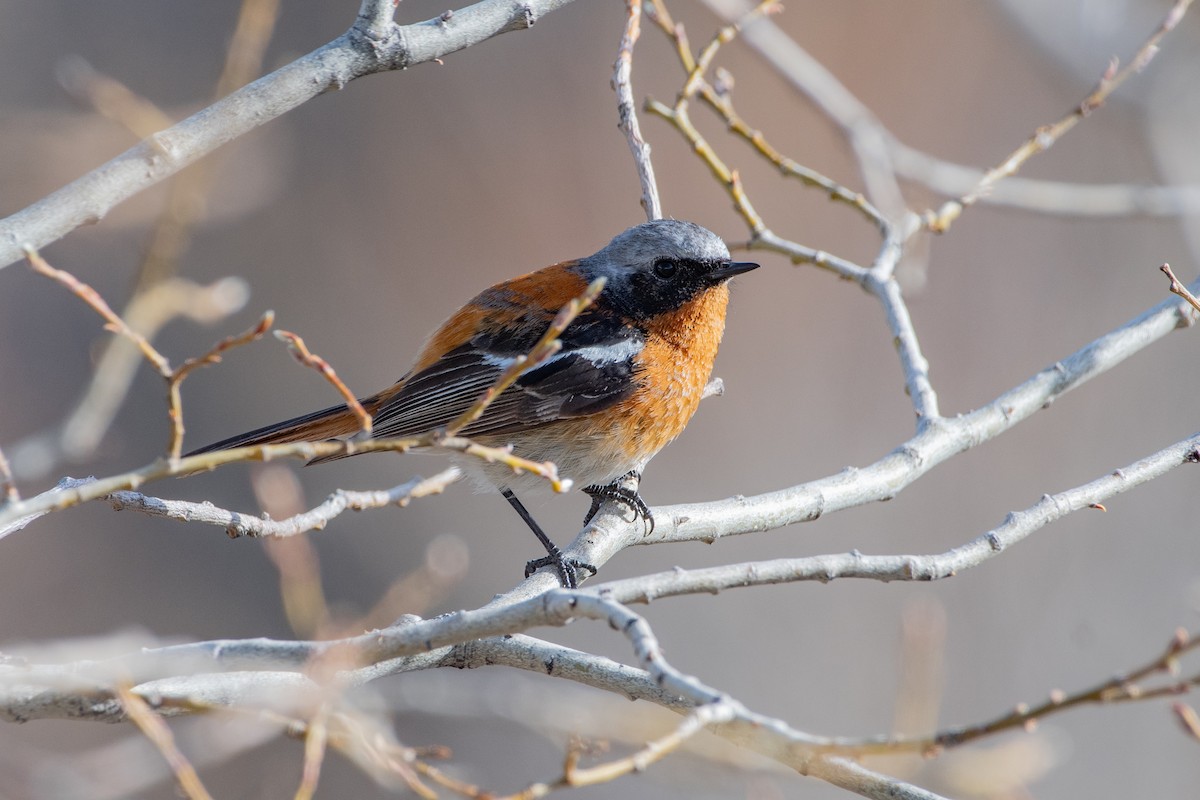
x=568, y=569
x=617, y=490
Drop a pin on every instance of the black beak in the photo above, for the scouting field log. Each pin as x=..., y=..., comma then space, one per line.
x=730, y=268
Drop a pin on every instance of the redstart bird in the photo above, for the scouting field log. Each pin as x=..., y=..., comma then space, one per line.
x=629, y=376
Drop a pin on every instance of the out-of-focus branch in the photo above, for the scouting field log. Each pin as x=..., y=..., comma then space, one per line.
x=173, y=377
x=7, y=483
x=1044, y=137
x=373, y=44
x=1046, y=196
x=810, y=78
x=865, y=133
x=157, y=298
x=159, y=734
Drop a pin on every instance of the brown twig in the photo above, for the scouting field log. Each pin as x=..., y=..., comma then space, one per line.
x=1123, y=688
x=622, y=84
x=90, y=296
x=718, y=97
x=679, y=117
x=1120, y=689
x=302, y=354
x=722, y=103
x=316, y=736
x=1044, y=137
x=156, y=730
x=213, y=356
x=546, y=347
x=372, y=745
x=1178, y=288
x=695, y=721
x=76, y=437
x=1188, y=719
x=173, y=377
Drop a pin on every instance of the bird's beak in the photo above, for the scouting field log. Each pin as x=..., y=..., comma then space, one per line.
x=731, y=268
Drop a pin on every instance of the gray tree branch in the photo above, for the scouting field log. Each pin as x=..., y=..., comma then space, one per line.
x=375, y=43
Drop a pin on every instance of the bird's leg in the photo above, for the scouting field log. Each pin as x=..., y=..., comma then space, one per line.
x=617, y=490
x=567, y=568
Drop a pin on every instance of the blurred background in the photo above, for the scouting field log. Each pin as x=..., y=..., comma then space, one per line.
x=366, y=216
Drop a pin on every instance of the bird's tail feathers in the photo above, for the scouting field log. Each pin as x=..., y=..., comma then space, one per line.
x=335, y=422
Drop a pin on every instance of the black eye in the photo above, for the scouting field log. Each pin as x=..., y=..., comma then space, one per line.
x=665, y=268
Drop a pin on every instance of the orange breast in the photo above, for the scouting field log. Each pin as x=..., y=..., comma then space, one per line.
x=674, y=367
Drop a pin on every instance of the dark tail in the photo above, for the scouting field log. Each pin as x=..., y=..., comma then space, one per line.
x=329, y=423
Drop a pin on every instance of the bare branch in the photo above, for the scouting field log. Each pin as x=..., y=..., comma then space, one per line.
x=1045, y=136
x=236, y=524
x=77, y=438
x=865, y=133
x=1178, y=288
x=879, y=279
x=313, y=361
x=622, y=83
x=113, y=322
x=373, y=44
x=157, y=732
x=1017, y=527
x=939, y=441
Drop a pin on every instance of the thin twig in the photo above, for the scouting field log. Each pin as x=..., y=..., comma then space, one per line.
x=301, y=353
x=1189, y=720
x=236, y=524
x=679, y=116
x=761, y=237
x=1178, y=288
x=77, y=437
x=173, y=377
x=722, y=103
x=693, y=722
x=213, y=356
x=545, y=348
x=1121, y=688
x=316, y=735
x=90, y=296
x=374, y=748
x=1044, y=137
x=865, y=134
x=622, y=84
x=879, y=280
x=156, y=730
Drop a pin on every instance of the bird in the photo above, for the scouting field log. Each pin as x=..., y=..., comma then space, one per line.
x=629, y=376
